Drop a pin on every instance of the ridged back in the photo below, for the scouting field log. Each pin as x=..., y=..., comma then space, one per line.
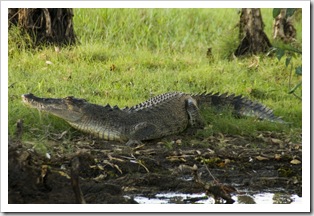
x=155, y=101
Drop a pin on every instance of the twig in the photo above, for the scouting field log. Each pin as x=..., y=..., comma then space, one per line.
x=210, y=173
x=75, y=166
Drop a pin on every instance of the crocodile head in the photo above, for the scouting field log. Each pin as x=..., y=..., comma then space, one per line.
x=68, y=108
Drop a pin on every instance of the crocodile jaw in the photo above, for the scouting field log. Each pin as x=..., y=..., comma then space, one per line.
x=62, y=108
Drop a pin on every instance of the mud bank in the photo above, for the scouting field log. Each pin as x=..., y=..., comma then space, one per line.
x=87, y=170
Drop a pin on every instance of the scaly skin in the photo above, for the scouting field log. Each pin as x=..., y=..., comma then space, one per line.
x=145, y=121
x=163, y=115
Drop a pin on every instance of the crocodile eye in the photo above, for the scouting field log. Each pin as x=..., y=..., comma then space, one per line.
x=70, y=98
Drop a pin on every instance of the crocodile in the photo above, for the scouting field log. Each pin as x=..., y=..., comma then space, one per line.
x=162, y=115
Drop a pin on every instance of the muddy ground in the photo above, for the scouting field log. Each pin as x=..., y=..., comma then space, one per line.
x=89, y=170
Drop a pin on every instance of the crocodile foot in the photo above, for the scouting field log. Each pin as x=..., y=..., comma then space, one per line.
x=132, y=142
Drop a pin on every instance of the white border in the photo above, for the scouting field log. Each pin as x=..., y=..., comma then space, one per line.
x=155, y=4
x=302, y=207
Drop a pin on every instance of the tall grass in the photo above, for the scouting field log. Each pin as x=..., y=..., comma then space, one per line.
x=153, y=51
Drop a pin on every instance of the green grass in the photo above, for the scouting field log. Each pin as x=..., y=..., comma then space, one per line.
x=154, y=51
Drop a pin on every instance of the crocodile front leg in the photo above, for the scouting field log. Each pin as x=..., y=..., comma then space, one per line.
x=142, y=131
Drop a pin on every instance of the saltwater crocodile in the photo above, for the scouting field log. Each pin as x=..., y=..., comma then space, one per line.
x=163, y=115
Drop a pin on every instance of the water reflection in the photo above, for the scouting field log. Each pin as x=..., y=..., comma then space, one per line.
x=258, y=198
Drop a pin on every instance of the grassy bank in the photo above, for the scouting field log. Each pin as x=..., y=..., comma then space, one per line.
x=153, y=51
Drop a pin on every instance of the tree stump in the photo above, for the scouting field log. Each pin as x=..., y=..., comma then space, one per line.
x=283, y=28
x=45, y=25
x=252, y=36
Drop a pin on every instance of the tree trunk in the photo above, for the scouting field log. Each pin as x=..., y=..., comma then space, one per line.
x=252, y=36
x=283, y=28
x=45, y=25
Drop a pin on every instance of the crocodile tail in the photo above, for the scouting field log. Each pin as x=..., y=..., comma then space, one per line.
x=241, y=106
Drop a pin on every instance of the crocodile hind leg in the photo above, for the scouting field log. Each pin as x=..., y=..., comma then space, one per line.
x=195, y=118
x=142, y=131
x=196, y=121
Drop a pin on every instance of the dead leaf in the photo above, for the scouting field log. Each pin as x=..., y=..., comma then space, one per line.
x=249, y=90
x=227, y=161
x=277, y=156
x=44, y=170
x=100, y=178
x=129, y=188
x=57, y=49
x=64, y=174
x=114, y=159
x=276, y=141
x=139, y=147
x=176, y=159
x=112, y=67
x=295, y=161
x=68, y=77
x=178, y=142
x=100, y=167
x=62, y=134
x=221, y=164
x=118, y=168
x=186, y=168
x=141, y=163
x=261, y=158
x=297, y=146
x=254, y=62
